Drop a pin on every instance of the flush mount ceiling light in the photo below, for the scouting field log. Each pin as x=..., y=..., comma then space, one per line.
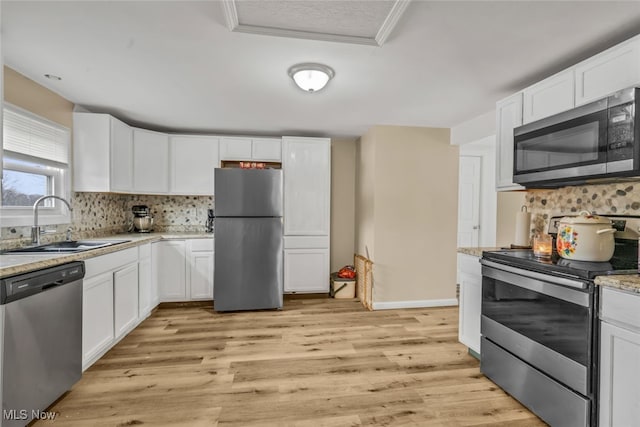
x=311, y=77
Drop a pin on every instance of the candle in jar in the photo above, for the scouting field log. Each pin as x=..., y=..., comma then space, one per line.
x=542, y=245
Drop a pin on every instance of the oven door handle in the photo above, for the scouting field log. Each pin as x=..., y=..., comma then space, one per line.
x=535, y=282
x=539, y=276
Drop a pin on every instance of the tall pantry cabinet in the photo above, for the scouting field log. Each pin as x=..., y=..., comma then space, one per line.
x=307, y=197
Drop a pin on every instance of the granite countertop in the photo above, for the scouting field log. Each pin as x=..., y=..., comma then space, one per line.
x=11, y=264
x=626, y=282
x=477, y=252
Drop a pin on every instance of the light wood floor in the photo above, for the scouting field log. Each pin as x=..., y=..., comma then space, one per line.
x=318, y=362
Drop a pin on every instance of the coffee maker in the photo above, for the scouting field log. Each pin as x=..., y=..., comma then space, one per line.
x=142, y=219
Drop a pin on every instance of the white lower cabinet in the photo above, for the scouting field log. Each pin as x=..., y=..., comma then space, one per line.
x=147, y=290
x=110, y=302
x=305, y=270
x=200, y=262
x=169, y=264
x=184, y=269
x=619, y=359
x=470, y=281
x=619, y=376
x=125, y=289
x=97, y=317
x=121, y=288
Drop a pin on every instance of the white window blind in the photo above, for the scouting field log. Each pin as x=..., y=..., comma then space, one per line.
x=31, y=135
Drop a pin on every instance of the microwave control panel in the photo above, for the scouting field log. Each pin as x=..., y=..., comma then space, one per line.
x=621, y=130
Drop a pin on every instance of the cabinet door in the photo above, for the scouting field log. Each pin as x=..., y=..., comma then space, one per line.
x=548, y=97
x=170, y=265
x=97, y=317
x=201, y=275
x=150, y=161
x=235, y=148
x=121, y=156
x=508, y=116
x=91, y=152
x=307, y=185
x=619, y=376
x=614, y=69
x=470, y=281
x=267, y=149
x=125, y=288
x=144, y=286
x=306, y=270
x=193, y=160
x=470, y=304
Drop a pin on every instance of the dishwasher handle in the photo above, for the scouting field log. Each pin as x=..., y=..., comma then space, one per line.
x=24, y=285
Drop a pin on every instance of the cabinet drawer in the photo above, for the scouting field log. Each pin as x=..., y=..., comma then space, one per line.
x=201, y=244
x=621, y=307
x=469, y=264
x=103, y=263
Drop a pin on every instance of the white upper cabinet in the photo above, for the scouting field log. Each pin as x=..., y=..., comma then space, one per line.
x=508, y=116
x=548, y=97
x=614, y=69
x=102, y=153
x=235, y=148
x=307, y=185
x=150, y=161
x=121, y=156
x=269, y=149
x=192, y=163
x=258, y=149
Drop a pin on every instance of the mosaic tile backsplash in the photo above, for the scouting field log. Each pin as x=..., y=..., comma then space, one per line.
x=621, y=198
x=102, y=214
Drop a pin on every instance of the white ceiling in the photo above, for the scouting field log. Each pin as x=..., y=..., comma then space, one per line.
x=174, y=65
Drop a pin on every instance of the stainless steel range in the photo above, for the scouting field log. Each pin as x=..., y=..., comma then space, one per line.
x=539, y=326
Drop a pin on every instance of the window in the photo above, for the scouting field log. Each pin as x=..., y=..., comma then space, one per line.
x=35, y=163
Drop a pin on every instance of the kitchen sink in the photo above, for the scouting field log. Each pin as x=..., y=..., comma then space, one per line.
x=66, y=246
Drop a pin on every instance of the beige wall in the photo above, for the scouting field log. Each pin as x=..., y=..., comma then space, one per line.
x=25, y=93
x=365, y=180
x=343, y=181
x=509, y=204
x=414, y=183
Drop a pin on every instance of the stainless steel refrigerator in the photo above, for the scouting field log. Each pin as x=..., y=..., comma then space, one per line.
x=248, y=272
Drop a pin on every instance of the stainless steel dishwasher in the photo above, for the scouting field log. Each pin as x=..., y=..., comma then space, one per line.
x=41, y=327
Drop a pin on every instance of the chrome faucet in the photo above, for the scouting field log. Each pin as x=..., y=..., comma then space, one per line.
x=35, y=230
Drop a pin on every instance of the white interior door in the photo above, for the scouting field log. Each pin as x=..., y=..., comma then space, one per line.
x=469, y=182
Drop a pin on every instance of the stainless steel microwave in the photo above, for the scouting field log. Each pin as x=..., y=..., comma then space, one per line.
x=596, y=141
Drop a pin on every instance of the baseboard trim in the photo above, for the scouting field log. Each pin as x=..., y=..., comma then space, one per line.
x=388, y=305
